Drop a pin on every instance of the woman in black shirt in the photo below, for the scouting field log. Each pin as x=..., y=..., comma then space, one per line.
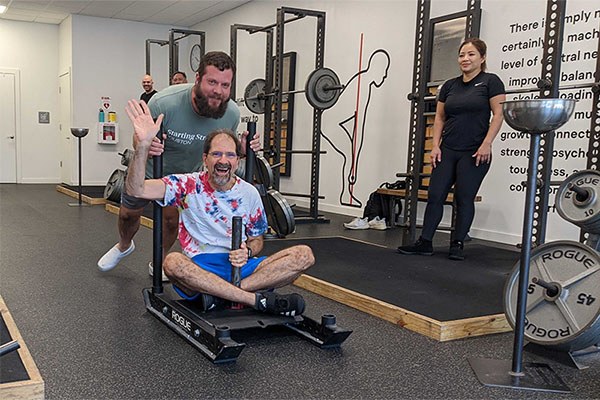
x=463, y=134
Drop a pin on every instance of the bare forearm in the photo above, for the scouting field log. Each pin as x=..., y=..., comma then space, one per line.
x=494, y=128
x=437, y=131
x=255, y=244
x=497, y=118
x=438, y=123
x=136, y=172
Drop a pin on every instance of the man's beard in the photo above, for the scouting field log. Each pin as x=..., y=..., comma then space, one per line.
x=221, y=180
x=204, y=109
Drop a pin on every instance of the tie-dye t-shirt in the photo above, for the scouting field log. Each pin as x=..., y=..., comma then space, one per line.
x=205, y=215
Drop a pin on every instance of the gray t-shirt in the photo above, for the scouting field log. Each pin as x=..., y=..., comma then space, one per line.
x=186, y=131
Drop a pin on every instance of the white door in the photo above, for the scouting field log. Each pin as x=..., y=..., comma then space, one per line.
x=66, y=140
x=8, y=128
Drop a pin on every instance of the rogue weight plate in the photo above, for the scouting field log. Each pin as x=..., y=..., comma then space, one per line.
x=583, y=208
x=254, y=96
x=126, y=157
x=264, y=173
x=317, y=85
x=115, y=185
x=567, y=319
x=282, y=218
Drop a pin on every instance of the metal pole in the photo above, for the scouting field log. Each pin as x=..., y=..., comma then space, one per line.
x=517, y=360
x=157, y=255
x=236, y=243
x=79, y=142
x=250, y=156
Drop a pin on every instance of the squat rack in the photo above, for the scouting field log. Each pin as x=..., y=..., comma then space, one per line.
x=317, y=114
x=175, y=35
x=275, y=102
x=233, y=35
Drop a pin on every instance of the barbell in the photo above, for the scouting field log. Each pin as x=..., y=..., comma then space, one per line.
x=322, y=91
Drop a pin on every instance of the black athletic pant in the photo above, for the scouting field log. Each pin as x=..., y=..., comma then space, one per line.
x=456, y=168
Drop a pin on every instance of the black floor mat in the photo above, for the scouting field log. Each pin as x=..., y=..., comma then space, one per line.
x=95, y=192
x=433, y=286
x=11, y=366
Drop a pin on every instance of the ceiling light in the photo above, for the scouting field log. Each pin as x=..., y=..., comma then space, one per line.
x=2, y=9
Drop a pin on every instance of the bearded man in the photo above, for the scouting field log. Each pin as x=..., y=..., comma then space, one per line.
x=190, y=112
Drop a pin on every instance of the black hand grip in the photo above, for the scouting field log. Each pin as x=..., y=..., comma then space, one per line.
x=236, y=234
x=236, y=242
x=250, y=156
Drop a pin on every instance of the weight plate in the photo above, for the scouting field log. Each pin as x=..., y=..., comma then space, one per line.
x=264, y=173
x=582, y=210
x=282, y=217
x=254, y=96
x=316, y=87
x=126, y=157
x=115, y=185
x=570, y=319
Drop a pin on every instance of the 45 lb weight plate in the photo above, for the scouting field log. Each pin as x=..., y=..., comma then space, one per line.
x=323, y=88
x=254, y=96
x=563, y=301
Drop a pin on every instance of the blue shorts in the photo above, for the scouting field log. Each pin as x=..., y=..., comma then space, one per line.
x=218, y=264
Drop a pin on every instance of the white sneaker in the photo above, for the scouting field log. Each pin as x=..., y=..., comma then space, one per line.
x=113, y=256
x=357, y=223
x=151, y=272
x=378, y=223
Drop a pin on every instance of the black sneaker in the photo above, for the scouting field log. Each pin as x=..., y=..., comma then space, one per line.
x=207, y=301
x=282, y=304
x=456, y=250
x=421, y=247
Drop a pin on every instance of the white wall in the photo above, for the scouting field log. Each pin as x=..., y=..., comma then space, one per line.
x=32, y=48
x=387, y=25
x=501, y=213
x=108, y=59
x=65, y=47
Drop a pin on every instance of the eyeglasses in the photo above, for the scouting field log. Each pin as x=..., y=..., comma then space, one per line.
x=230, y=155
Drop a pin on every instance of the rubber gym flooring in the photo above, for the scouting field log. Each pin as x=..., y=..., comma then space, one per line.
x=424, y=285
x=91, y=337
